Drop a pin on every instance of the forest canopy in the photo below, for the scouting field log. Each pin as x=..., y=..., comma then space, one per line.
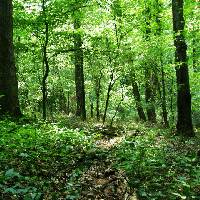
x=109, y=59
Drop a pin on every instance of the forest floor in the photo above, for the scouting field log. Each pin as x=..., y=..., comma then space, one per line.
x=101, y=180
x=68, y=160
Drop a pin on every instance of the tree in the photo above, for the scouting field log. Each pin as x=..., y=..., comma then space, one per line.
x=158, y=9
x=79, y=74
x=45, y=62
x=149, y=92
x=97, y=93
x=98, y=39
x=184, y=120
x=137, y=97
x=9, y=103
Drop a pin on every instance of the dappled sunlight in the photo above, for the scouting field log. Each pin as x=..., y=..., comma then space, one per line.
x=99, y=100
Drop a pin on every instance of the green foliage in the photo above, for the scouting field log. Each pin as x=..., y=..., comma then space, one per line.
x=159, y=166
x=114, y=41
x=40, y=160
x=45, y=160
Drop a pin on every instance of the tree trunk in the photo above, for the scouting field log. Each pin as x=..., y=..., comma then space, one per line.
x=9, y=103
x=79, y=74
x=98, y=92
x=137, y=98
x=149, y=97
x=159, y=30
x=91, y=109
x=45, y=74
x=162, y=96
x=68, y=103
x=149, y=93
x=45, y=64
x=110, y=86
x=184, y=120
x=164, y=105
x=172, y=100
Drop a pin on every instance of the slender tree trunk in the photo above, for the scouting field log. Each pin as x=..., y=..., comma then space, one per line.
x=184, y=119
x=62, y=98
x=149, y=93
x=137, y=98
x=164, y=105
x=9, y=103
x=91, y=109
x=162, y=96
x=68, y=103
x=172, y=100
x=110, y=86
x=62, y=101
x=163, y=93
x=79, y=74
x=117, y=36
x=45, y=64
x=45, y=74
x=149, y=97
x=98, y=92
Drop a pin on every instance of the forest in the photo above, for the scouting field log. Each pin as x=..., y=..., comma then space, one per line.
x=99, y=99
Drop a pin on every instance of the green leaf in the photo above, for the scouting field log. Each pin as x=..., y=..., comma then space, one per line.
x=12, y=173
x=25, y=155
x=179, y=195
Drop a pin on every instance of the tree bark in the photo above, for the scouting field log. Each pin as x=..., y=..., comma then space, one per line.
x=159, y=30
x=9, y=103
x=164, y=104
x=91, y=109
x=136, y=94
x=68, y=103
x=45, y=64
x=149, y=93
x=184, y=119
x=110, y=86
x=149, y=97
x=172, y=99
x=79, y=74
x=98, y=92
x=45, y=73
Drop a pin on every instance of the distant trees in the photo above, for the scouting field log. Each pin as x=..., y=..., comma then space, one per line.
x=98, y=50
x=184, y=118
x=9, y=103
x=148, y=70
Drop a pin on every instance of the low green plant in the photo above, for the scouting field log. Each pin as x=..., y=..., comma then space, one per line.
x=37, y=160
x=160, y=167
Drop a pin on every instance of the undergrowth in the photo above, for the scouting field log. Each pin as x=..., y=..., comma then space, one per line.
x=160, y=166
x=41, y=161
x=46, y=161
